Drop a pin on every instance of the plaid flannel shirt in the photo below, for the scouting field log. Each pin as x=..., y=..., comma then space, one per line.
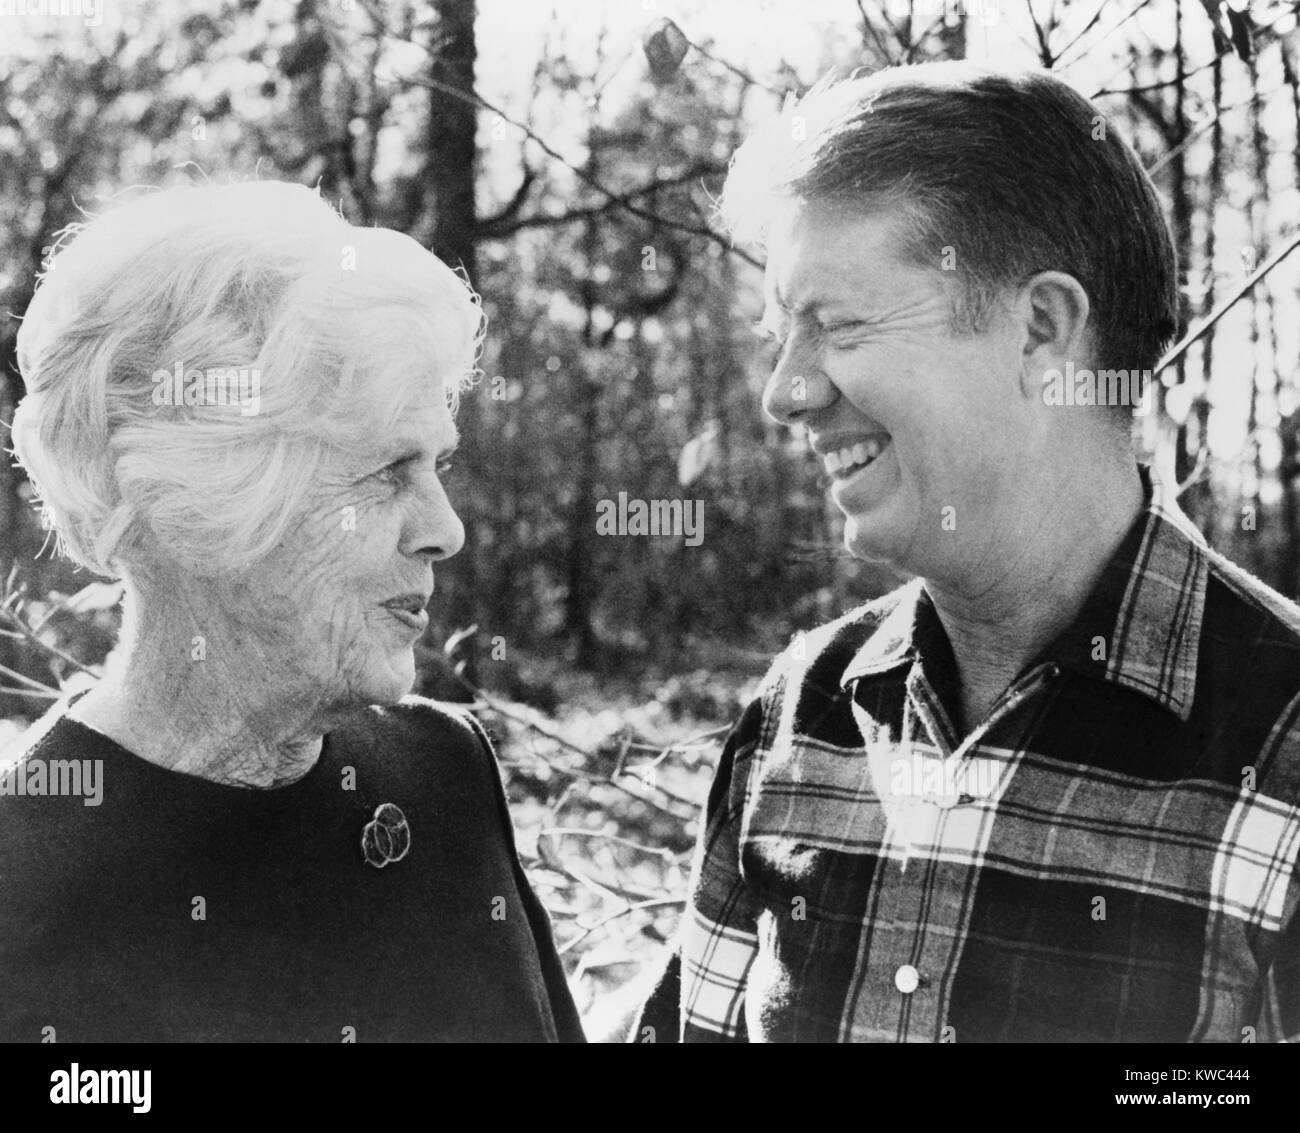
x=1109, y=856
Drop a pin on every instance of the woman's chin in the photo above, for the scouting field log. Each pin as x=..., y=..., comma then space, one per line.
x=389, y=680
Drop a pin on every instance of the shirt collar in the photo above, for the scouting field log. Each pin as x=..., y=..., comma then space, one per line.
x=1140, y=627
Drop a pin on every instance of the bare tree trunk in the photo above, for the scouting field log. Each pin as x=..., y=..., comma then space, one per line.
x=1259, y=238
x=452, y=148
x=582, y=514
x=9, y=480
x=450, y=169
x=1200, y=500
x=9, y=475
x=1182, y=224
x=1289, y=427
x=582, y=519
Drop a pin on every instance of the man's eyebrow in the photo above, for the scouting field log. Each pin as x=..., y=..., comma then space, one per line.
x=808, y=306
x=820, y=309
x=815, y=305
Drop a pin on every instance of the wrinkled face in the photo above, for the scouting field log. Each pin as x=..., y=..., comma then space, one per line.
x=339, y=604
x=916, y=426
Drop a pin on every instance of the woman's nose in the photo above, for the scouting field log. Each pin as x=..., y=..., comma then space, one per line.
x=434, y=530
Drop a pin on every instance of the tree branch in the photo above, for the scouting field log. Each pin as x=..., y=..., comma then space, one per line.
x=511, y=207
x=490, y=229
x=1044, y=49
x=473, y=98
x=1088, y=26
x=657, y=902
x=870, y=29
x=476, y=99
x=1256, y=35
x=1181, y=348
x=1105, y=35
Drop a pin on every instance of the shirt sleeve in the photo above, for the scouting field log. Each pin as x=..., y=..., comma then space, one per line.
x=1279, y=1012
x=719, y=937
x=700, y=994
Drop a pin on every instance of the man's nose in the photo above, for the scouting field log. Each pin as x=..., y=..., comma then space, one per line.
x=798, y=385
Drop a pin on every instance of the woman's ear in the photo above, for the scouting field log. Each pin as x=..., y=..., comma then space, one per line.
x=1055, y=309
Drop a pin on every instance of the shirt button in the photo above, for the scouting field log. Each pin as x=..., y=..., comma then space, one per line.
x=907, y=979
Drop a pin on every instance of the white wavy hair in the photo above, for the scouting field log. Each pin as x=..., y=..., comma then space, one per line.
x=261, y=275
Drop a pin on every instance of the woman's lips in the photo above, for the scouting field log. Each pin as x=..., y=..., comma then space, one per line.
x=410, y=612
x=418, y=622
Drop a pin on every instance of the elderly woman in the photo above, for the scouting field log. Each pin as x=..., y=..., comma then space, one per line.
x=241, y=406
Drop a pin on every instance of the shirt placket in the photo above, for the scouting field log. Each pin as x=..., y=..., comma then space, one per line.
x=917, y=911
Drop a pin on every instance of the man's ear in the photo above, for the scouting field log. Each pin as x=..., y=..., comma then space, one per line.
x=1055, y=309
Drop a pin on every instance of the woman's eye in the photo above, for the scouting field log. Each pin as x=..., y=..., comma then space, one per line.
x=389, y=473
x=444, y=466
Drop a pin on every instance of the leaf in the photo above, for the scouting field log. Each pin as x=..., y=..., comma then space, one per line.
x=696, y=456
x=454, y=641
x=1240, y=33
x=96, y=596
x=665, y=46
x=1231, y=27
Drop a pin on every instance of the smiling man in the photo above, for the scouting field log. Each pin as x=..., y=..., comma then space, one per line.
x=1046, y=791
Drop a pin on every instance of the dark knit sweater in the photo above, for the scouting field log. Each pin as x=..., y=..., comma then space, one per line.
x=300, y=939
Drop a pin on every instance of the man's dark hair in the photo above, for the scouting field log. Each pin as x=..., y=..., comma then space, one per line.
x=1013, y=172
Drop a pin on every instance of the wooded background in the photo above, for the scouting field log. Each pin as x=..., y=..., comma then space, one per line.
x=567, y=155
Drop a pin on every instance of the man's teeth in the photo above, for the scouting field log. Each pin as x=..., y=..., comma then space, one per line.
x=864, y=452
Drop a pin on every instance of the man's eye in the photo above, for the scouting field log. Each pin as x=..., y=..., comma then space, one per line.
x=444, y=466
x=390, y=473
x=843, y=335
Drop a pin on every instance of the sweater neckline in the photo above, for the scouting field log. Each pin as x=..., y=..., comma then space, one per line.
x=83, y=736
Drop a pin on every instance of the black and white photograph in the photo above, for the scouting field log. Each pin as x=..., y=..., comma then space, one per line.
x=650, y=521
